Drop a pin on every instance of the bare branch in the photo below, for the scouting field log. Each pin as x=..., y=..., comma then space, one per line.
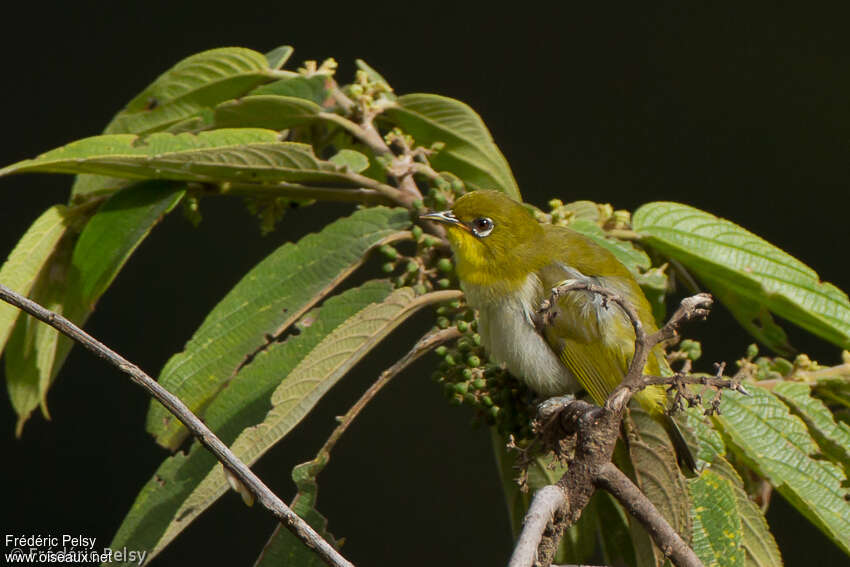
x=638, y=505
x=205, y=436
x=547, y=502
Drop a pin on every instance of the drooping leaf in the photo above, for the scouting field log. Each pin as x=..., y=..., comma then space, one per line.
x=72, y=283
x=277, y=57
x=266, y=111
x=832, y=436
x=114, y=233
x=35, y=351
x=316, y=88
x=717, y=530
x=272, y=296
x=777, y=445
x=30, y=255
x=245, y=402
x=300, y=390
x=283, y=548
x=249, y=155
x=657, y=474
x=469, y=150
x=716, y=249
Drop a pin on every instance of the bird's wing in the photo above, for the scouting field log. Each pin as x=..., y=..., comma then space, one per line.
x=592, y=337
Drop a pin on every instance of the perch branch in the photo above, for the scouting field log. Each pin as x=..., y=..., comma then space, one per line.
x=205, y=436
x=638, y=505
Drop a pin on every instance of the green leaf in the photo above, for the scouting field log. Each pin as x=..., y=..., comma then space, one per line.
x=283, y=548
x=760, y=549
x=716, y=249
x=249, y=155
x=657, y=474
x=469, y=150
x=299, y=392
x=266, y=111
x=114, y=233
x=270, y=298
x=72, y=283
x=777, y=445
x=277, y=57
x=717, y=530
x=30, y=255
x=245, y=402
x=34, y=351
x=316, y=88
x=194, y=84
x=199, y=81
x=832, y=437
x=353, y=160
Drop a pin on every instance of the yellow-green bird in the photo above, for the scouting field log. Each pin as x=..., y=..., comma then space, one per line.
x=507, y=263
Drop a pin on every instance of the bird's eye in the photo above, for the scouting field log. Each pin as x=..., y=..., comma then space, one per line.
x=482, y=226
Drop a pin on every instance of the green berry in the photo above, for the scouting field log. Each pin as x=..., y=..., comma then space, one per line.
x=428, y=241
x=389, y=251
x=441, y=350
x=463, y=344
x=752, y=351
x=456, y=400
x=461, y=387
x=440, y=200
x=388, y=267
x=487, y=401
x=473, y=361
x=476, y=338
x=412, y=267
x=445, y=265
x=450, y=360
x=443, y=283
x=466, y=373
x=479, y=383
x=494, y=411
x=457, y=186
x=443, y=322
x=418, y=205
x=462, y=326
x=420, y=289
x=469, y=398
x=417, y=232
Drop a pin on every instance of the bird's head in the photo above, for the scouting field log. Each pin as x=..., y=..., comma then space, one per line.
x=488, y=232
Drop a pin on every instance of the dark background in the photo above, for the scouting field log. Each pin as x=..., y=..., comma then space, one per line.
x=742, y=113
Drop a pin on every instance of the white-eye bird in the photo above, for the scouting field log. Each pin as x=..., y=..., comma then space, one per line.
x=508, y=263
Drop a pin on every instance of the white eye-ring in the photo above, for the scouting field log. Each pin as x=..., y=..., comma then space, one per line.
x=482, y=226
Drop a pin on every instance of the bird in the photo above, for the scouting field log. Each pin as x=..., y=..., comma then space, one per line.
x=507, y=264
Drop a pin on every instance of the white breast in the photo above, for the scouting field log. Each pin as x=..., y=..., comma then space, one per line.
x=509, y=337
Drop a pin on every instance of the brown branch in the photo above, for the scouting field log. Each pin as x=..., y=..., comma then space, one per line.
x=638, y=505
x=547, y=502
x=205, y=436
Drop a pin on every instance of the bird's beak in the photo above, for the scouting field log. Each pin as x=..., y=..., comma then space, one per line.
x=445, y=217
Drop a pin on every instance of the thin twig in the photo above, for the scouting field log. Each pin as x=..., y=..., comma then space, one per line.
x=422, y=346
x=205, y=436
x=638, y=505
